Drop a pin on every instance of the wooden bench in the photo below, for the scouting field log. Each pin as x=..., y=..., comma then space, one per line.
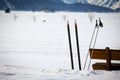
x=108, y=55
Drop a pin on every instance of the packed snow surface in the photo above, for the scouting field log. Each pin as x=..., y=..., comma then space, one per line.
x=34, y=45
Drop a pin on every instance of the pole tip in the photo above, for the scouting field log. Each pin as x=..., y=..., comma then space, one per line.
x=67, y=22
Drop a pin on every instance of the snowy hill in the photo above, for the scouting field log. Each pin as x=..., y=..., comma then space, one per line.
x=50, y=5
x=105, y=3
x=113, y=4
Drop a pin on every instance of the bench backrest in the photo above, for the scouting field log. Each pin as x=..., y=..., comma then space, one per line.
x=101, y=54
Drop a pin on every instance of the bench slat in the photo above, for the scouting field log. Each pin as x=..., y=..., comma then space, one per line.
x=103, y=66
x=100, y=54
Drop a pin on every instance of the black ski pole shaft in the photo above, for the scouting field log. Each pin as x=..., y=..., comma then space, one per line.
x=89, y=48
x=93, y=47
x=70, y=45
x=77, y=42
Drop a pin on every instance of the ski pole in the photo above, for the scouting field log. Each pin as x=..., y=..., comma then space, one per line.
x=93, y=47
x=77, y=42
x=70, y=45
x=90, y=45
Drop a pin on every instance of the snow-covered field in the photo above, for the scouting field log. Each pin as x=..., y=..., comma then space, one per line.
x=34, y=45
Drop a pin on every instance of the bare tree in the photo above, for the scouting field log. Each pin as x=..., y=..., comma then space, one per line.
x=34, y=18
x=15, y=17
x=91, y=16
x=64, y=17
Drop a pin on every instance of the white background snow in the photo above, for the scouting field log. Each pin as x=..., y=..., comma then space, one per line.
x=34, y=45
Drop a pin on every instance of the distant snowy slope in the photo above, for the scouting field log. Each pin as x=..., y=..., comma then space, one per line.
x=113, y=4
x=47, y=31
x=51, y=6
x=105, y=3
